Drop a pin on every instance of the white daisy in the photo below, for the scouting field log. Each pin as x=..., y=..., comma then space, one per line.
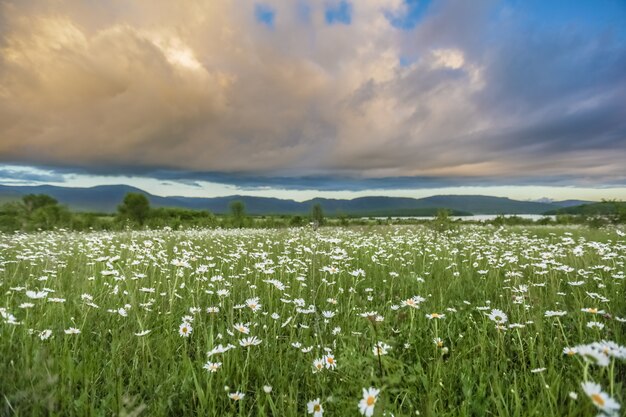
x=366, y=405
x=185, y=329
x=315, y=407
x=600, y=398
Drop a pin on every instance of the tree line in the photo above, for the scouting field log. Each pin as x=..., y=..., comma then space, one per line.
x=42, y=212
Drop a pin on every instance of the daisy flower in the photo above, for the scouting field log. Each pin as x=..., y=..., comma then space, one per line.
x=592, y=310
x=591, y=354
x=253, y=304
x=435, y=316
x=498, y=316
x=72, y=330
x=357, y=273
x=220, y=349
x=185, y=329
x=36, y=295
x=212, y=366
x=555, y=313
x=413, y=302
x=381, y=348
x=318, y=365
x=315, y=407
x=241, y=328
x=570, y=351
x=330, y=362
x=366, y=405
x=236, y=395
x=600, y=398
x=610, y=348
x=250, y=341
x=45, y=334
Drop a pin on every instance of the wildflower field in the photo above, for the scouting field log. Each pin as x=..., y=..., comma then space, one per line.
x=398, y=321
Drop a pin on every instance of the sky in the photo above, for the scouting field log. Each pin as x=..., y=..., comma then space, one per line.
x=302, y=98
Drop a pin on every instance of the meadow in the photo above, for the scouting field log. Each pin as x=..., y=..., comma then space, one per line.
x=383, y=321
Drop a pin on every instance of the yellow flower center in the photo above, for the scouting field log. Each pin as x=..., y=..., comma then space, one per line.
x=598, y=399
x=439, y=344
x=571, y=352
x=593, y=310
x=435, y=315
x=370, y=401
x=330, y=360
x=316, y=408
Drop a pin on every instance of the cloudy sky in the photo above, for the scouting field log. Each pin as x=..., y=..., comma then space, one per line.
x=301, y=98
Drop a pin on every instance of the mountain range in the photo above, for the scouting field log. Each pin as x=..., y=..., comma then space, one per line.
x=105, y=198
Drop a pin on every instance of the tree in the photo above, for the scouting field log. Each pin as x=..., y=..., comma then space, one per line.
x=135, y=207
x=442, y=222
x=11, y=216
x=238, y=213
x=295, y=221
x=34, y=211
x=33, y=202
x=317, y=215
x=50, y=216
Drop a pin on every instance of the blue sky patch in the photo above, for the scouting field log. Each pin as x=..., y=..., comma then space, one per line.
x=340, y=13
x=414, y=12
x=265, y=14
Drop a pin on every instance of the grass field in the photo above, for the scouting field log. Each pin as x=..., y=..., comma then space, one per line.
x=476, y=321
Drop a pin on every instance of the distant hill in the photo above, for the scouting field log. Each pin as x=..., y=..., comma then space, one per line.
x=564, y=203
x=105, y=198
x=480, y=204
x=571, y=203
x=603, y=208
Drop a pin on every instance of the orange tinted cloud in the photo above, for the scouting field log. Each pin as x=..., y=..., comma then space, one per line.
x=203, y=86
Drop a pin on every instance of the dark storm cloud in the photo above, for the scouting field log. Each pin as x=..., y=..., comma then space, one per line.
x=18, y=174
x=465, y=93
x=246, y=181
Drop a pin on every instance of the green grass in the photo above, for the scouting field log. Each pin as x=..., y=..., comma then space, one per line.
x=464, y=274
